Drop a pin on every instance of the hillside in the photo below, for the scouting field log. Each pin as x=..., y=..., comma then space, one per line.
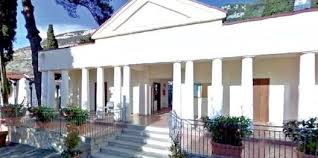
x=22, y=60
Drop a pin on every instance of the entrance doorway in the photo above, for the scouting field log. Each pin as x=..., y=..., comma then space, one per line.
x=156, y=96
x=261, y=100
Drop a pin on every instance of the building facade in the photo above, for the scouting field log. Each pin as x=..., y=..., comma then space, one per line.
x=180, y=54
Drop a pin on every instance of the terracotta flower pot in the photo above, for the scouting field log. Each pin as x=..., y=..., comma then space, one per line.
x=3, y=138
x=303, y=155
x=226, y=150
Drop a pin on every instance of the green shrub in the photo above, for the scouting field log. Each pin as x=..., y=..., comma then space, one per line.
x=175, y=150
x=43, y=114
x=71, y=141
x=305, y=133
x=228, y=130
x=13, y=110
x=75, y=115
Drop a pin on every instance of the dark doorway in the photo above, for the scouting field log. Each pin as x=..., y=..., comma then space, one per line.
x=157, y=95
x=261, y=100
x=170, y=94
x=105, y=89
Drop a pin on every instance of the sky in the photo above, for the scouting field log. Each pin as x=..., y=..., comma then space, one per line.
x=48, y=12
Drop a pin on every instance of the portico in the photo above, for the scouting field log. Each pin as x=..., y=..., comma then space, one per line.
x=142, y=62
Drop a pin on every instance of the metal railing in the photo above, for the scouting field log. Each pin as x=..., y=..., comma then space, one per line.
x=96, y=124
x=265, y=142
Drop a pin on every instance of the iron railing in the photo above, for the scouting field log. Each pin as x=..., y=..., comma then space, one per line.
x=96, y=124
x=265, y=142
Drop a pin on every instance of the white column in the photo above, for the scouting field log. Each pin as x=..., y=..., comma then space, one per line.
x=51, y=89
x=44, y=88
x=216, y=107
x=126, y=92
x=176, y=96
x=85, y=90
x=188, y=98
x=117, y=92
x=247, y=87
x=65, y=89
x=100, y=98
x=307, y=104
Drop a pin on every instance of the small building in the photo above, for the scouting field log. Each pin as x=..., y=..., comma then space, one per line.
x=181, y=55
x=22, y=90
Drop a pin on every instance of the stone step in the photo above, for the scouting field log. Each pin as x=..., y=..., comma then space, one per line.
x=141, y=139
x=148, y=128
x=102, y=155
x=127, y=153
x=145, y=133
x=153, y=148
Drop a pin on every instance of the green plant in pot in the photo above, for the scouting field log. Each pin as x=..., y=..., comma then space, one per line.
x=227, y=134
x=305, y=134
x=175, y=149
x=13, y=111
x=43, y=115
x=75, y=115
x=71, y=142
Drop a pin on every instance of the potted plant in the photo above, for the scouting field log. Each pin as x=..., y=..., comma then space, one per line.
x=71, y=142
x=43, y=115
x=175, y=149
x=75, y=115
x=3, y=135
x=305, y=134
x=227, y=134
x=13, y=113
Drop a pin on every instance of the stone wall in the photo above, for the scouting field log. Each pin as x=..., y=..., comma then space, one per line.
x=36, y=138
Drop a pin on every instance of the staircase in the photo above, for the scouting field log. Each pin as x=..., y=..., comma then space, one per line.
x=137, y=142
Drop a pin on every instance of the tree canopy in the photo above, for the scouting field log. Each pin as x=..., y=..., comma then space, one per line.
x=101, y=10
x=8, y=25
x=51, y=42
x=278, y=6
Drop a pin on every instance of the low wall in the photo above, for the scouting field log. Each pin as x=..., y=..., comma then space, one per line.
x=36, y=138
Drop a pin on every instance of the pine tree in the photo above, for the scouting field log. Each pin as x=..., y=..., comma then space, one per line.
x=51, y=42
x=8, y=24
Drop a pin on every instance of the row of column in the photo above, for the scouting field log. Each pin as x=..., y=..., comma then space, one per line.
x=183, y=92
x=120, y=93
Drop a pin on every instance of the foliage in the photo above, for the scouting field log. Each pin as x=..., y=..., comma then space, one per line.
x=278, y=6
x=175, y=149
x=51, y=42
x=101, y=10
x=86, y=39
x=35, y=44
x=13, y=110
x=75, y=115
x=71, y=141
x=305, y=133
x=8, y=25
x=43, y=114
x=228, y=130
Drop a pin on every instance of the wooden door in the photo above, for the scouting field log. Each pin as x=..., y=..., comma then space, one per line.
x=261, y=100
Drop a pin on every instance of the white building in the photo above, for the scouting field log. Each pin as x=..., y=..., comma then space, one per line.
x=262, y=68
x=21, y=88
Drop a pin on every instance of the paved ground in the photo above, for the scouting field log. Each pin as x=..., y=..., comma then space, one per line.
x=25, y=151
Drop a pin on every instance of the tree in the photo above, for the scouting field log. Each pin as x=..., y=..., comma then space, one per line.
x=8, y=24
x=51, y=42
x=101, y=10
x=278, y=6
x=35, y=43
